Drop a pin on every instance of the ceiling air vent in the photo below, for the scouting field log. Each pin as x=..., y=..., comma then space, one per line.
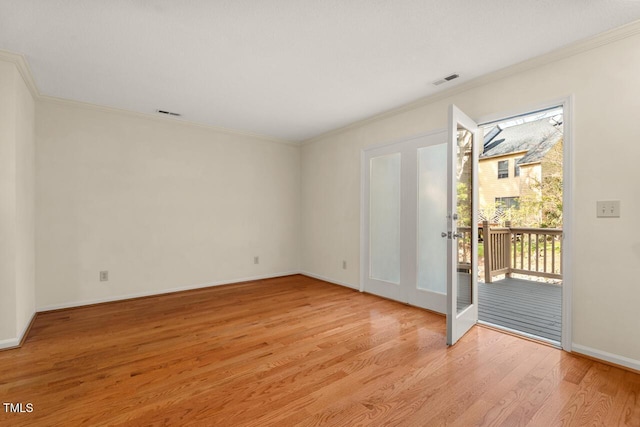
x=168, y=113
x=446, y=79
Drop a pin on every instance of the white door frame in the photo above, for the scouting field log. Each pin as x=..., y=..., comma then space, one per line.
x=567, y=200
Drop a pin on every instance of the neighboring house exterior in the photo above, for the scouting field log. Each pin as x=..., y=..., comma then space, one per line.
x=513, y=161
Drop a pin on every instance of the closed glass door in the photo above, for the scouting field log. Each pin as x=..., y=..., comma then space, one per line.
x=405, y=203
x=384, y=267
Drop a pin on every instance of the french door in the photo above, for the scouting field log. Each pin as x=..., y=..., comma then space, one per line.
x=464, y=139
x=405, y=203
x=418, y=199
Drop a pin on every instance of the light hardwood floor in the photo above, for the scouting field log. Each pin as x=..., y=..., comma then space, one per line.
x=296, y=351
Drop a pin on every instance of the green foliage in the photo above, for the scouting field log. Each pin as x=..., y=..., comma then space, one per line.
x=464, y=205
x=542, y=206
x=551, y=203
x=550, y=190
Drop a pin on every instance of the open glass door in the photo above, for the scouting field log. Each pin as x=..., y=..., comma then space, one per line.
x=462, y=235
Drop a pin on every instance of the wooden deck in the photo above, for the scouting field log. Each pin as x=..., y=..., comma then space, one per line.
x=527, y=306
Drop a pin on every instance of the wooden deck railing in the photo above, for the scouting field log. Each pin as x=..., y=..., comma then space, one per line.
x=508, y=250
x=497, y=251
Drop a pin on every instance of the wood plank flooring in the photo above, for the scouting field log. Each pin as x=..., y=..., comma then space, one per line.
x=296, y=351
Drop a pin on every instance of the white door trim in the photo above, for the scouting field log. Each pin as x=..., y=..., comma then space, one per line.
x=567, y=200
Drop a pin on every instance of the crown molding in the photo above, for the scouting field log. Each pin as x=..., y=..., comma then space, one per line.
x=23, y=68
x=164, y=119
x=572, y=49
x=25, y=71
x=576, y=48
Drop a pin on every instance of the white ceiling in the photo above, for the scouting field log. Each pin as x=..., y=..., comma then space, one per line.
x=289, y=69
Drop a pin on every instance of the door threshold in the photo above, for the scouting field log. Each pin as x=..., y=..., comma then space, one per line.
x=521, y=334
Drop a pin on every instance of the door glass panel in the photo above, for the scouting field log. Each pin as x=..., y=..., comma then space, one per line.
x=432, y=218
x=384, y=210
x=465, y=207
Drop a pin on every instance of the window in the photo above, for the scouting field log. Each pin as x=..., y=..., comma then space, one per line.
x=508, y=202
x=516, y=167
x=503, y=169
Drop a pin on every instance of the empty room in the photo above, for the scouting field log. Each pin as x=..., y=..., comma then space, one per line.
x=255, y=213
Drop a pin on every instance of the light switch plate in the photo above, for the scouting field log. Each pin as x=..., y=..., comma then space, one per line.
x=608, y=209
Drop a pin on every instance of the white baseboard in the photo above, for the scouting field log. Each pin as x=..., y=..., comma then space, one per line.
x=160, y=291
x=608, y=357
x=10, y=343
x=326, y=279
x=14, y=342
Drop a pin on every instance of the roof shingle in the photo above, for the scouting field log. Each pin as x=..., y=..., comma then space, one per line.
x=535, y=138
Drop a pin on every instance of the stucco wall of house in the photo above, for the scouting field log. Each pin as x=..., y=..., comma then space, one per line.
x=492, y=187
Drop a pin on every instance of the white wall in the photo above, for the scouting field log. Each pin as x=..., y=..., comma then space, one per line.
x=17, y=243
x=7, y=202
x=25, y=206
x=160, y=204
x=606, y=267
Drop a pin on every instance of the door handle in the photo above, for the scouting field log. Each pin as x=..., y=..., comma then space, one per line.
x=451, y=235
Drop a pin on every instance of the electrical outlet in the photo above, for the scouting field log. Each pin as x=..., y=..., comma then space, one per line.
x=608, y=209
x=256, y=260
x=104, y=276
x=344, y=265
